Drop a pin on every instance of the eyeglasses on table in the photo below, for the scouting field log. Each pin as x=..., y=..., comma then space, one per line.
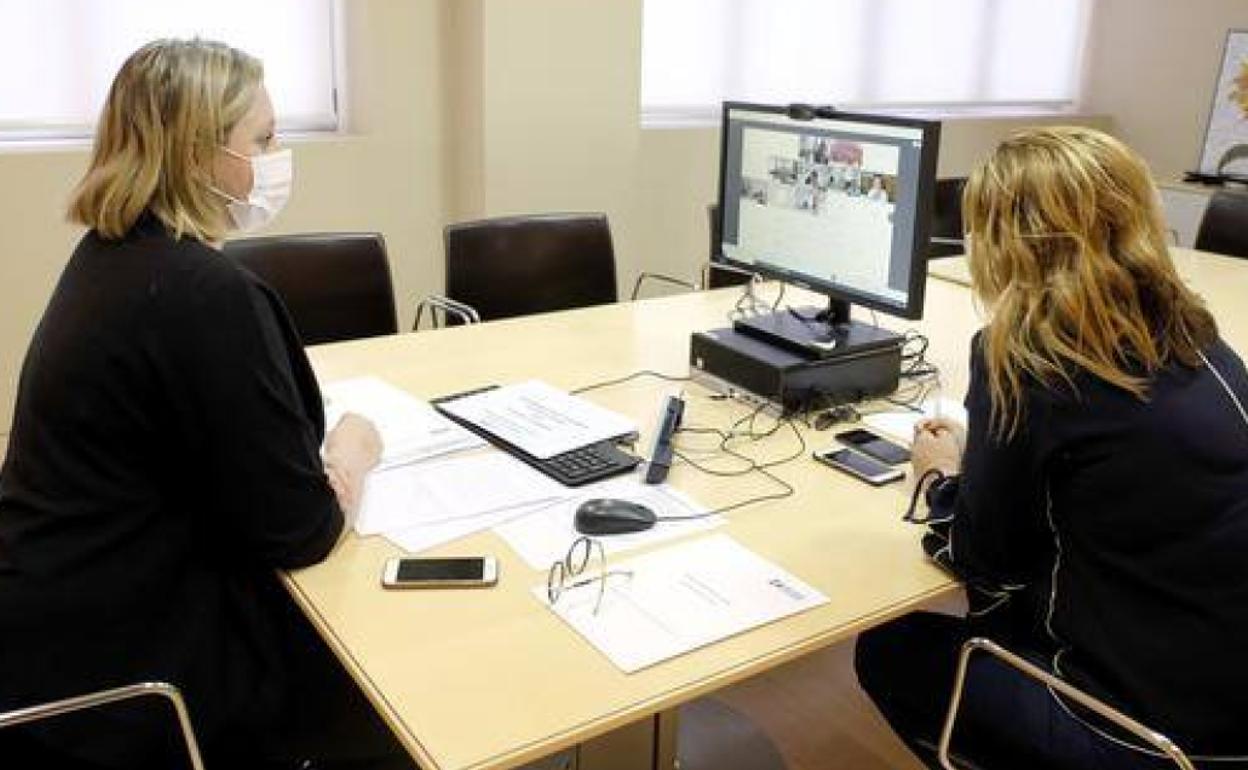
x=585, y=564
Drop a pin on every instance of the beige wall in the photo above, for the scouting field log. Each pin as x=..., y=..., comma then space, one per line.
x=34, y=245
x=465, y=108
x=556, y=127
x=386, y=175
x=463, y=56
x=1152, y=67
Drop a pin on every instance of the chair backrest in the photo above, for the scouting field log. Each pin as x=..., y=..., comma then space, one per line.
x=1224, y=227
x=718, y=277
x=716, y=230
x=336, y=285
x=947, y=218
x=512, y=266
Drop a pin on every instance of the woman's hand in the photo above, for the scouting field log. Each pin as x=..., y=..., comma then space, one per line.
x=354, y=444
x=938, y=443
x=352, y=449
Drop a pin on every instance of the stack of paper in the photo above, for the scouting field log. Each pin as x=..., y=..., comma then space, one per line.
x=410, y=429
x=427, y=504
x=418, y=503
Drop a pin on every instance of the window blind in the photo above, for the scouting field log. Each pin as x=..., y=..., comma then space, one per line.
x=59, y=56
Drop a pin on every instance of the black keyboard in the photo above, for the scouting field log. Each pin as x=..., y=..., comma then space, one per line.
x=581, y=466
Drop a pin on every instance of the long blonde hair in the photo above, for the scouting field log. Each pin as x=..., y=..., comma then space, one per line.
x=1067, y=251
x=170, y=108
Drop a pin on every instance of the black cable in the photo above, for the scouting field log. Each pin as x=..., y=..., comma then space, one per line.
x=775, y=306
x=751, y=465
x=747, y=293
x=904, y=405
x=788, y=488
x=633, y=376
x=799, y=453
x=915, y=393
x=754, y=435
x=914, y=357
x=719, y=472
x=750, y=432
x=749, y=304
x=935, y=475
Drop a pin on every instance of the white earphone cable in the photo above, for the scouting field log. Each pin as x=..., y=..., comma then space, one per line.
x=1243, y=413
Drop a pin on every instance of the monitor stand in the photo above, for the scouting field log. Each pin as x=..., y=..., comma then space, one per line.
x=816, y=333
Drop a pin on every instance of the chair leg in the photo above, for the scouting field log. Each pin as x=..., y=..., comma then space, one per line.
x=1157, y=740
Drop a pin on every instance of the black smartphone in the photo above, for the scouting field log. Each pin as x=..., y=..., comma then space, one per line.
x=870, y=444
x=859, y=466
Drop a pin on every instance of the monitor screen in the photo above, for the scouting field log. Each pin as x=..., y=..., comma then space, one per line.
x=834, y=202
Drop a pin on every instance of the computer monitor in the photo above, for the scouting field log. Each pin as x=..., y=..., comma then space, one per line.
x=835, y=202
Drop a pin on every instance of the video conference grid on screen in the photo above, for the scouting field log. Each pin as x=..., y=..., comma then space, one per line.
x=826, y=199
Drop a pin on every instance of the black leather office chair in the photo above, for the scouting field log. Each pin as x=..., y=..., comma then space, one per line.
x=716, y=275
x=1224, y=227
x=513, y=266
x=945, y=239
x=336, y=285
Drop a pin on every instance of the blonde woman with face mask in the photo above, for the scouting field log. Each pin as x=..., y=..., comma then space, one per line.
x=166, y=451
x=1096, y=503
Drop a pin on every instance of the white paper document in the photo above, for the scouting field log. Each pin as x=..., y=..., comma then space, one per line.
x=542, y=420
x=450, y=488
x=425, y=536
x=899, y=425
x=681, y=598
x=542, y=538
x=425, y=504
x=410, y=429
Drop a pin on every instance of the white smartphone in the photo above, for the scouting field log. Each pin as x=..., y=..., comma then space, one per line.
x=859, y=466
x=462, y=572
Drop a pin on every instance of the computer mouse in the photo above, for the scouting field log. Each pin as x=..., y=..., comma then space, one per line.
x=613, y=517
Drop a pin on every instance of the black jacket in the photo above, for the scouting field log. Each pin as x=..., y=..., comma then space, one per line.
x=1118, y=528
x=164, y=459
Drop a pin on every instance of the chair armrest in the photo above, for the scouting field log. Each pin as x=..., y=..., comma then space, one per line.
x=103, y=697
x=662, y=278
x=464, y=312
x=1157, y=740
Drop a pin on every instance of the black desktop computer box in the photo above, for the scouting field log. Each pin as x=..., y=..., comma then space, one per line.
x=735, y=364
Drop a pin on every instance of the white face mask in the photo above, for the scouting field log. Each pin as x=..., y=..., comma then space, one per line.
x=272, y=175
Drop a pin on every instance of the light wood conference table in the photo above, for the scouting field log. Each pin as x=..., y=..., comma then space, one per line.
x=1222, y=280
x=484, y=679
